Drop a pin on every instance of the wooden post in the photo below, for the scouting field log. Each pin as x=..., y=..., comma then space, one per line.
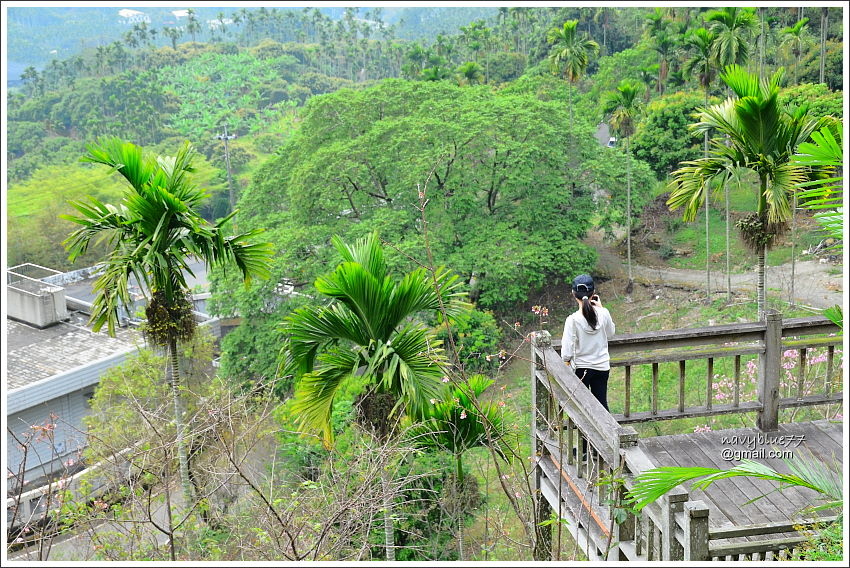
x=770, y=367
x=696, y=531
x=627, y=437
x=540, y=420
x=673, y=502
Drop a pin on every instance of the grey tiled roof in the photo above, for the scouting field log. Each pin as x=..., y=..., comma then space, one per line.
x=35, y=354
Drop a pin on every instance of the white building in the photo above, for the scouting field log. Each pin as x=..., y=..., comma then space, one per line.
x=53, y=363
x=128, y=17
x=215, y=24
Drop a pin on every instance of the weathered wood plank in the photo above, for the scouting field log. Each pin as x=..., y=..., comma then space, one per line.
x=765, y=528
x=835, y=433
x=713, y=335
x=784, y=503
x=755, y=546
x=726, y=494
x=691, y=412
x=696, y=545
x=655, y=388
x=812, y=325
x=584, y=410
x=679, y=355
x=819, y=443
x=811, y=400
x=813, y=342
x=660, y=455
x=716, y=335
x=736, y=401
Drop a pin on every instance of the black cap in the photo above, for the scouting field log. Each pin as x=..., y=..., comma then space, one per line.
x=583, y=284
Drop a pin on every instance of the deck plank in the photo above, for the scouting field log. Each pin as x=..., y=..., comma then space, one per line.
x=834, y=431
x=661, y=456
x=723, y=496
x=726, y=497
x=786, y=501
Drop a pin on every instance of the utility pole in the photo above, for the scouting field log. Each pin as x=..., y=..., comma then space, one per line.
x=227, y=137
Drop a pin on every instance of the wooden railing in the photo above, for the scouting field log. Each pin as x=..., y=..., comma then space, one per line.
x=767, y=340
x=566, y=416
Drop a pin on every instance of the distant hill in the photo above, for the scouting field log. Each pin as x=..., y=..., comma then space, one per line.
x=39, y=34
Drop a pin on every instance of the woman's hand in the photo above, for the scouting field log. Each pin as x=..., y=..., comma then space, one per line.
x=594, y=301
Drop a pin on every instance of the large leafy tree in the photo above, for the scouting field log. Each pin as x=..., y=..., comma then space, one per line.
x=763, y=136
x=571, y=53
x=153, y=235
x=623, y=107
x=496, y=209
x=369, y=328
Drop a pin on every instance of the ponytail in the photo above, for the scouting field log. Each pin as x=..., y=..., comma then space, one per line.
x=588, y=312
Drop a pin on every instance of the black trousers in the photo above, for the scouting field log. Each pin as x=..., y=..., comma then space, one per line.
x=597, y=382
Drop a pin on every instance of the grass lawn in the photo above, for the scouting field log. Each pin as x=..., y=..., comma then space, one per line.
x=689, y=238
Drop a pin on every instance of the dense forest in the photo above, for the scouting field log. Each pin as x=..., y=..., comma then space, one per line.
x=465, y=138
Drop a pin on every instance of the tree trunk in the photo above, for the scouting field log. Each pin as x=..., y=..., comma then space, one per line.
x=707, y=228
x=728, y=259
x=824, y=15
x=762, y=250
x=570, y=95
x=389, y=531
x=458, y=510
x=629, y=211
x=760, y=268
x=793, y=242
x=172, y=377
x=761, y=43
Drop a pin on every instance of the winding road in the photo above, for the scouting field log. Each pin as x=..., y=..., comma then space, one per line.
x=816, y=284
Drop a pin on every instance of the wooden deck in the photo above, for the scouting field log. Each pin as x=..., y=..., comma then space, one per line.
x=741, y=518
x=727, y=499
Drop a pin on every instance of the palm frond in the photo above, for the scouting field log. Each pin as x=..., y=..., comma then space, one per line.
x=652, y=484
x=315, y=392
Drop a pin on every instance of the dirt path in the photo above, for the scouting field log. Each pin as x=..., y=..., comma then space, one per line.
x=814, y=285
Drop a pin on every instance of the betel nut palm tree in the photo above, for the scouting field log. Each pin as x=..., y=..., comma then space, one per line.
x=623, y=107
x=570, y=55
x=153, y=235
x=702, y=64
x=797, y=37
x=369, y=329
x=459, y=421
x=763, y=136
x=733, y=27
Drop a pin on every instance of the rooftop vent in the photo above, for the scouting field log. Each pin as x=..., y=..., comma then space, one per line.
x=31, y=300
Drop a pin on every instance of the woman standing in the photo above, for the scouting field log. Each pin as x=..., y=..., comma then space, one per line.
x=585, y=341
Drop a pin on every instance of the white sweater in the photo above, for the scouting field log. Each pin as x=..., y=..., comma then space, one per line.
x=587, y=348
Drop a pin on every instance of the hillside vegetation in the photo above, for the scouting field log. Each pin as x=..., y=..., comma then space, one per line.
x=399, y=161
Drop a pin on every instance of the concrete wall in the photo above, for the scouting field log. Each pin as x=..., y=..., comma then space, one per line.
x=46, y=451
x=65, y=278
x=39, y=310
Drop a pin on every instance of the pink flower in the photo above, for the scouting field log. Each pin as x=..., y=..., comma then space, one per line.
x=463, y=414
x=501, y=403
x=445, y=379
